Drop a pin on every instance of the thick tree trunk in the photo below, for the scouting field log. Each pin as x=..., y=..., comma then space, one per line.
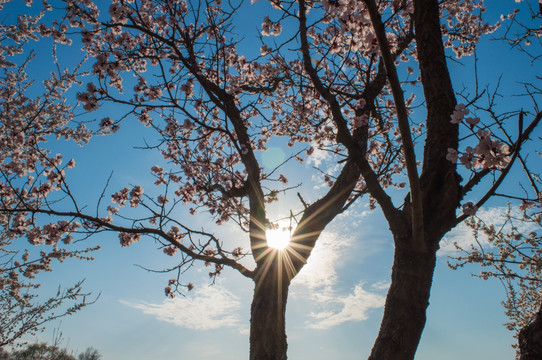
x=412, y=272
x=530, y=339
x=406, y=304
x=267, y=321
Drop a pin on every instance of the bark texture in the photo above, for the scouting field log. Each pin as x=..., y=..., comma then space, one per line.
x=414, y=262
x=530, y=339
x=406, y=304
x=267, y=320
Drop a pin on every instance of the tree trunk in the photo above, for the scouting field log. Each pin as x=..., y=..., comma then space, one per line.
x=412, y=273
x=530, y=339
x=406, y=304
x=267, y=321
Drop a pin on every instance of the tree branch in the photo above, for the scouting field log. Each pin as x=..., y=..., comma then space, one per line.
x=402, y=120
x=343, y=134
x=522, y=137
x=143, y=231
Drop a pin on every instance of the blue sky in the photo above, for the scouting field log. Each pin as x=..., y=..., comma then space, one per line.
x=333, y=311
x=335, y=303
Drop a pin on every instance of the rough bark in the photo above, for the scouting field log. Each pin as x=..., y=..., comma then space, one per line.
x=439, y=179
x=406, y=303
x=267, y=321
x=412, y=273
x=530, y=339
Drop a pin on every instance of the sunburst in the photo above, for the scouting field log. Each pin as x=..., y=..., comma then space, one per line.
x=278, y=238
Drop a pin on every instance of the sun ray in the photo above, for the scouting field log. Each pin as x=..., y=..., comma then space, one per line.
x=278, y=238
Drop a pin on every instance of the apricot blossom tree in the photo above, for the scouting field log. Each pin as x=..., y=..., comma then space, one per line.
x=345, y=44
x=25, y=122
x=204, y=100
x=334, y=77
x=508, y=249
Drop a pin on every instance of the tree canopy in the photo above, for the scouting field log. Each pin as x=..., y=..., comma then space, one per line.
x=368, y=82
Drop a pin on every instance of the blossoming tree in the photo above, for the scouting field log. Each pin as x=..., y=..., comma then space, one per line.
x=331, y=81
x=25, y=121
x=508, y=247
x=509, y=250
x=201, y=99
x=353, y=42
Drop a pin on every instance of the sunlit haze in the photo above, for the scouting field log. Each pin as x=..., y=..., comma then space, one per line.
x=278, y=238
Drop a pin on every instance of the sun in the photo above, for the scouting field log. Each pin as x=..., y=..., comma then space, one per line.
x=278, y=238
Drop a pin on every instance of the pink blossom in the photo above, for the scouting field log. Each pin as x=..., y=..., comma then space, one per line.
x=162, y=200
x=35, y=236
x=270, y=28
x=169, y=292
x=157, y=170
x=459, y=113
x=145, y=117
x=188, y=88
x=175, y=233
x=359, y=121
x=18, y=224
x=106, y=123
x=112, y=210
x=451, y=155
x=472, y=121
x=492, y=154
x=266, y=26
x=135, y=196
x=170, y=250
x=126, y=239
x=237, y=252
x=264, y=50
x=525, y=205
x=467, y=157
x=120, y=197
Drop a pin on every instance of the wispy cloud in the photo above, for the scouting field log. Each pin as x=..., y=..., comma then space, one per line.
x=208, y=307
x=318, y=156
x=319, y=278
x=352, y=307
x=463, y=236
x=211, y=307
x=320, y=271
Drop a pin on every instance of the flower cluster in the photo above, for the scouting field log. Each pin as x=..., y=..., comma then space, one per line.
x=121, y=197
x=270, y=28
x=127, y=239
x=510, y=249
x=488, y=153
x=464, y=25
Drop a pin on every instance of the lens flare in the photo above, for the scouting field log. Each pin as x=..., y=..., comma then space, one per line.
x=278, y=238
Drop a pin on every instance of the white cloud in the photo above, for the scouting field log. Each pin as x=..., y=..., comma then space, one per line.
x=318, y=156
x=320, y=270
x=207, y=307
x=352, y=307
x=464, y=237
x=460, y=235
x=318, y=281
x=381, y=285
x=214, y=306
